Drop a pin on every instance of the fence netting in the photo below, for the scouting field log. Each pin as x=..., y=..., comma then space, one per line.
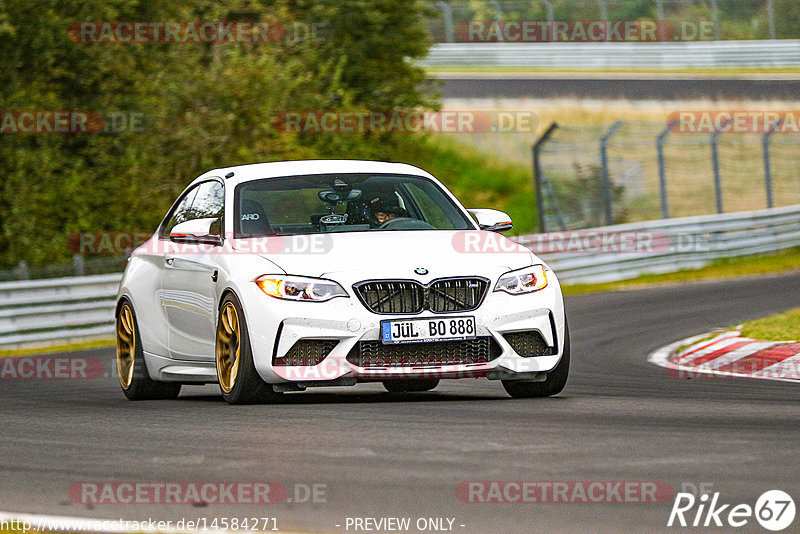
x=689, y=20
x=581, y=187
x=80, y=266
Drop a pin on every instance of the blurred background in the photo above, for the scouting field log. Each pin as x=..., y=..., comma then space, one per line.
x=172, y=110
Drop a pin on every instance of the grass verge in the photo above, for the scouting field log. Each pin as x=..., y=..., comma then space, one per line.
x=781, y=327
x=719, y=269
x=481, y=180
x=61, y=347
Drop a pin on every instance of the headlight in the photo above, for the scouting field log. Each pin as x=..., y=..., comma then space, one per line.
x=299, y=288
x=525, y=280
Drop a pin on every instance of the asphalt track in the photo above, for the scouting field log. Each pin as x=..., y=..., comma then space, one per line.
x=619, y=419
x=622, y=87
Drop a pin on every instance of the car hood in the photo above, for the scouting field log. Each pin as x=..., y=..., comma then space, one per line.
x=361, y=255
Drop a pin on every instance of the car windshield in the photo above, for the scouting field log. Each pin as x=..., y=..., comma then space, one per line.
x=326, y=203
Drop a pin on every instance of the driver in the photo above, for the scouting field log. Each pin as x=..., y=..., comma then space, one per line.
x=386, y=207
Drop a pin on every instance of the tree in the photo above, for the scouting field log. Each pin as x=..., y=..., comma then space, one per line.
x=206, y=105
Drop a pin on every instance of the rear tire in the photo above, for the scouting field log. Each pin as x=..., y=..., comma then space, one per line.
x=553, y=385
x=133, y=376
x=410, y=385
x=236, y=372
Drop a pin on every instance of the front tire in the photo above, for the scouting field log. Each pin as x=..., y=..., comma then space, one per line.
x=133, y=376
x=410, y=385
x=238, y=378
x=553, y=385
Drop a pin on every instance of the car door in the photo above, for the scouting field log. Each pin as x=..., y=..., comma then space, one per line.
x=179, y=213
x=188, y=284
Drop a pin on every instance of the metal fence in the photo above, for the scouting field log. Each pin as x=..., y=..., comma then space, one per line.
x=671, y=245
x=691, y=19
x=635, y=171
x=57, y=310
x=74, y=308
x=647, y=56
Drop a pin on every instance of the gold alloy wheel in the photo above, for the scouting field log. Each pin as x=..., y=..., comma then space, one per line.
x=228, y=347
x=126, y=346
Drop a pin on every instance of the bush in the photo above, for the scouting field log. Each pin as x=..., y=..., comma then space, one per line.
x=206, y=105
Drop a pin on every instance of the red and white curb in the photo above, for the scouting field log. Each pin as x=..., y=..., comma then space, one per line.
x=730, y=355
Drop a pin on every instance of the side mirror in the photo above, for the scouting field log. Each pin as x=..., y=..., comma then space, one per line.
x=492, y=220
x=195, y=231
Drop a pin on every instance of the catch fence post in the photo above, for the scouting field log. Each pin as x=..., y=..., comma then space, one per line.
x=537, y=174
x=498, y=13
x=661, y=25
x=447, y=15
x=715, y=17
x=607, y=193
x=662, y=171
x=23, y=272
x=767, y=163
x=771, y=16
x=549, y=35
x=715, y=163
x=79, y=265
x=603, y=10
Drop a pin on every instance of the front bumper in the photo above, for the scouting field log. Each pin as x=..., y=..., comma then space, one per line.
x=275, y=326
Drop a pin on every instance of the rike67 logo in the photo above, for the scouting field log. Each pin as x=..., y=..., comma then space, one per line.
x=774, y=510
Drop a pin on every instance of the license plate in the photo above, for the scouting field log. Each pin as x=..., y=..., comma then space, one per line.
x=426, y=330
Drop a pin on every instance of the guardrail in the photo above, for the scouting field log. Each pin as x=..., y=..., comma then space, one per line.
x=57, y=310
x=672, y=244
x=65, y=309
x=678, y=55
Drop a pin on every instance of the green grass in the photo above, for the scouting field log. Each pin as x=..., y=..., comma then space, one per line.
x=62, y=347
x=781, y=327
x=480, y=180
x=719, y=269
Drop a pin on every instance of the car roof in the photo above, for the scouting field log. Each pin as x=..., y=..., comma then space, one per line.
x=256, y=171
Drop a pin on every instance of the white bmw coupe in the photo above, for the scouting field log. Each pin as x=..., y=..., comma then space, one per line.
x=277, y=277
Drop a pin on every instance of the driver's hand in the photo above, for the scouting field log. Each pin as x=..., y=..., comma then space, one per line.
x=383, y=217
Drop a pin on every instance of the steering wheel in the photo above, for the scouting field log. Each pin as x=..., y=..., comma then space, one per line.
x=405, y=223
